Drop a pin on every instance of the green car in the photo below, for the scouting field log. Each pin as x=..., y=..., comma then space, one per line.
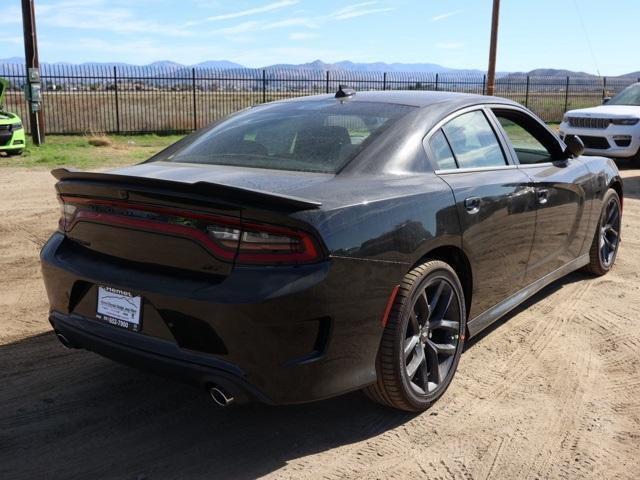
x=12, y=138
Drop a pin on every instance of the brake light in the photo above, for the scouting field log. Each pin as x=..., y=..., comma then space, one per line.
x=228, y=238
x=260, y=243
x=67, y=213
x=270, y=244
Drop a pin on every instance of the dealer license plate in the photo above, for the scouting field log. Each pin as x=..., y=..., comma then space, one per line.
x=119, y=308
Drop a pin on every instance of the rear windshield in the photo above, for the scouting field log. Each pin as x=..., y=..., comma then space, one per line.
x=628, y=96
x=313, y=136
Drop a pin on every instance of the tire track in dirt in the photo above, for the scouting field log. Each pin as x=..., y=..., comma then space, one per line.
x=552, y=392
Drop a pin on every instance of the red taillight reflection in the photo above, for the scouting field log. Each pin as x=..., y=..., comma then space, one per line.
x=228, y=238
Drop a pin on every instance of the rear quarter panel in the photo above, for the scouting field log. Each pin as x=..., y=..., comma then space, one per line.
x=393, y=220
x=604, y=173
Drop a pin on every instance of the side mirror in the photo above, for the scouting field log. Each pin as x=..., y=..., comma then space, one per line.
x=605, y=100
x=575, y=147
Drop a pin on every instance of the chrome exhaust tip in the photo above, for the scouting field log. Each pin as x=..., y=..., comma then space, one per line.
x=64, y=341
x=220, y=397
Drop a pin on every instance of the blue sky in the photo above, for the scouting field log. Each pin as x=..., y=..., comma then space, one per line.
x=453, y=33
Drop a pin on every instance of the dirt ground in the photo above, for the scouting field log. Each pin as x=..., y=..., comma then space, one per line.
x=551, y=391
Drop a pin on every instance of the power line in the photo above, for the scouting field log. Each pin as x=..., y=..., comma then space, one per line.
x=586, y=34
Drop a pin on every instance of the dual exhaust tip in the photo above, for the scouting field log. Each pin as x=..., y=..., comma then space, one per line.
x=221, y=397
x=66, y=343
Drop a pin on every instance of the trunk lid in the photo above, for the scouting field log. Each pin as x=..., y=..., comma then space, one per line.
x=166, y=217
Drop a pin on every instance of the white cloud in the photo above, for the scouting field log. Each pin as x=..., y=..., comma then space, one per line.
x=138, y=52
x=98, y=15
x=13, y=40
x=258, y=26
x=244, y=13
x=449, y=45
x=442, y=16
x=359, y=10
x=243, y=27
x=303, y=36
x=10, y=15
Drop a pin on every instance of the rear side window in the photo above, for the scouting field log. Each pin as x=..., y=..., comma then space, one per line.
x=308, y=136
x=473, y=141
x=441, y=151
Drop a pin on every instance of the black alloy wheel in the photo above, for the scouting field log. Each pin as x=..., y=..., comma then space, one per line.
x=606, y=242
x=423, y=339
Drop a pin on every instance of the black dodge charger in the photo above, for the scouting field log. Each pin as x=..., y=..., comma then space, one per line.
x=302, y=249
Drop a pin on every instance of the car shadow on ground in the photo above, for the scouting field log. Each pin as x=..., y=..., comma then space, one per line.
x=72, y=414
x=82, y=416
x=631, y=186
x=545, y=292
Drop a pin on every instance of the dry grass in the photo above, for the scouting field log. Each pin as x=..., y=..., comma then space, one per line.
x=78, y=151
x=99, y=141
x=165, y=111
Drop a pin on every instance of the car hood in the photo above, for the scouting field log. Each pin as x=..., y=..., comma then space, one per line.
x=607, y=111
x=8, y=118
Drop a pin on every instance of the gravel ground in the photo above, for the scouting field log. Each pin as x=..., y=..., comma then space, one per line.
x=551, y=391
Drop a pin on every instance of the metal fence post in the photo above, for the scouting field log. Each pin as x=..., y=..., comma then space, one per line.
x=115, y=89
x=146, y=90
x=193, y=88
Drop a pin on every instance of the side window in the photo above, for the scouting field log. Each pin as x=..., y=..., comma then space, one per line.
x=528, y=149
x=441, y=151
x=473, y=141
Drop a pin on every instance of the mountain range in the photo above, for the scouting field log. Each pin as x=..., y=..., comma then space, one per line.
x=171, y=66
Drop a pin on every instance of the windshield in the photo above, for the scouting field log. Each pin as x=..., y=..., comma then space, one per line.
x=628, y=96
x=308, y=136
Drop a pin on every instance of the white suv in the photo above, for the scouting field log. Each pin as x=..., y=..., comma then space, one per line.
x=612, y=129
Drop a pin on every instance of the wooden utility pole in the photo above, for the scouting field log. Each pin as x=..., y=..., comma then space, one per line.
x=31, y=56
x=493, y=47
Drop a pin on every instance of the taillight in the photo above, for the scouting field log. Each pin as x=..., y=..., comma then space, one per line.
x=67, y=214
x=271, y=244
x=227, y=238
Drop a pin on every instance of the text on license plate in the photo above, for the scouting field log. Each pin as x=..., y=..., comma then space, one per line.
x=118, y=308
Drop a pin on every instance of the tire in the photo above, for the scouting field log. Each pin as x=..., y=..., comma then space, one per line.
x=14, y=153
x=606, y=240
x=417, y=318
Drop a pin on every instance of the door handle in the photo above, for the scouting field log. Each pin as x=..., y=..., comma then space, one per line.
x=543, y=195
x=472, y=204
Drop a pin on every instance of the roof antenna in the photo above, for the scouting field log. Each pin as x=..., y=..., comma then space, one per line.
x=344, y=91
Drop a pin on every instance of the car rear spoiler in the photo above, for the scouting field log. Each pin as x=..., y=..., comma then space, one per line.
x=204, y=190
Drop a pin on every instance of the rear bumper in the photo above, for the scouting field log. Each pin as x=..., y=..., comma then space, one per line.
x=278, y=335
x=156, y=356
